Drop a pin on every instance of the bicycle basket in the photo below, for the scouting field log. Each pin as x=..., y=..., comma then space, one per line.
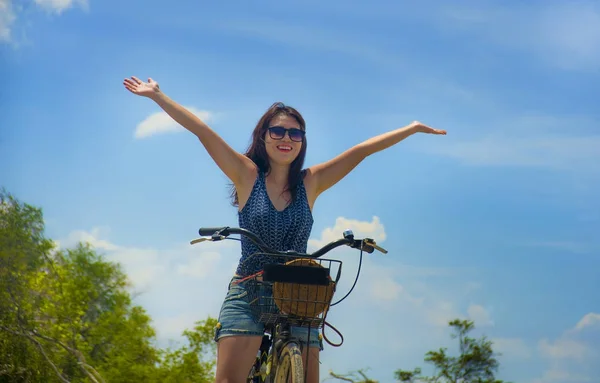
x=303, y=299
x=298, y=291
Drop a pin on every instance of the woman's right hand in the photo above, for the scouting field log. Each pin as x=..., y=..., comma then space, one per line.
x=146, y=89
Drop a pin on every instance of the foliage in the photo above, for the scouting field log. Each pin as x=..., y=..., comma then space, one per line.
x=193, y=362
x=476, y=362
x=67, y=316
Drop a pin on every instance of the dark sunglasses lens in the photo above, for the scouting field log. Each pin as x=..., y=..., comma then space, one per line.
x=277, y=132
x=296, y=134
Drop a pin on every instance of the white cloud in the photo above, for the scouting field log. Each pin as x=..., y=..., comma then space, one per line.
x=11, y=10
x=200, y=266
x=172, y=326
x=573, y=356
x=563, y=349
x=93, y=238
x=143, y=266
x=588, y=320
x=557, y=375
x=480, y=315
x=439, y=313
x=59, y=6
x=161, y=123
x=386, y=289
x=7, y=18
x=361, y=229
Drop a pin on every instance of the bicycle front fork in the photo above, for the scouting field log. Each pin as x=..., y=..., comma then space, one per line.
x=264, y=362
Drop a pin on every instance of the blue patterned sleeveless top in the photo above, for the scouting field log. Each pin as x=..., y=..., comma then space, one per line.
x=284, y=230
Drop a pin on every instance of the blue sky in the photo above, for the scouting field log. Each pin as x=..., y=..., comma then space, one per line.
x=498, y=221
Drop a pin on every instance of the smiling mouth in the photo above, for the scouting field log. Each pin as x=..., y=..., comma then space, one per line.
x=284, y=148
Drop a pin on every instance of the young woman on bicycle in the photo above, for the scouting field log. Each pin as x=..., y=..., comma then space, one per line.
x=275, y=196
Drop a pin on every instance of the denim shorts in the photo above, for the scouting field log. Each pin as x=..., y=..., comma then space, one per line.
x=236, y=318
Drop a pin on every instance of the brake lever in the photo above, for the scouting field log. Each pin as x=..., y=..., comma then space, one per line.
x=372, y=243
x=212, y=239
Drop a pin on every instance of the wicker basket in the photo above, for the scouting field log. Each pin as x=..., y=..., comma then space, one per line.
x=303, y=300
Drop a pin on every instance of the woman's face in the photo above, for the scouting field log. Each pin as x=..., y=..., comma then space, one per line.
x=283, y=150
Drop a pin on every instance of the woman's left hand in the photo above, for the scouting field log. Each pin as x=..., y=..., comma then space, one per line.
x=422, y=128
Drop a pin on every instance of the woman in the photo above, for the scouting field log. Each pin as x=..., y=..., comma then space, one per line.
x=275, y=197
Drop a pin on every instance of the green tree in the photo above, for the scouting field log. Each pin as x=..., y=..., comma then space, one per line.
x=67, y=316
x=85, y=305
x=476, y=362
x=194, y=361
x=23, y=250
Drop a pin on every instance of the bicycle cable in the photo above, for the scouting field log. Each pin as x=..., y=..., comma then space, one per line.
x=357, y=274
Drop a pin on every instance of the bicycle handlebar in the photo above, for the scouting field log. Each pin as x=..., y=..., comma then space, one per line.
x=206, y=231
x=219, y=233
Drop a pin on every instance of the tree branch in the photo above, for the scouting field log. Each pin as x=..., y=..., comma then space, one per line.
x=41, y=348
x=347, y=378
x=82, y=363
x=340, y=377
x=95, y=377
x=96, y=373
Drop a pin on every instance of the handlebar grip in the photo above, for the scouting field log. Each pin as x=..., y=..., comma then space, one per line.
x=208, y=231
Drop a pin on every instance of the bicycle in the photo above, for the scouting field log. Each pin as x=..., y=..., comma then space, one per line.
x=295, y=290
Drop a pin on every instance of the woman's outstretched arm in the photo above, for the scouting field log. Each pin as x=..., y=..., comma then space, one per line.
x=331, y=172
x=235, y=165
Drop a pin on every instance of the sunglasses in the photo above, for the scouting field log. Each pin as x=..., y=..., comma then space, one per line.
x=278, y=132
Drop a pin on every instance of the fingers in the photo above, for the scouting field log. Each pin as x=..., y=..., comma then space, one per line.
x=431, y=130
x=130, y=88
x=427, y=129
x=129, y=85
x=436, y=131
x=129, y=82
x=137, y=80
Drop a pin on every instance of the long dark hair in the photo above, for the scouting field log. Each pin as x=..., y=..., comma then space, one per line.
x=258, y=153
